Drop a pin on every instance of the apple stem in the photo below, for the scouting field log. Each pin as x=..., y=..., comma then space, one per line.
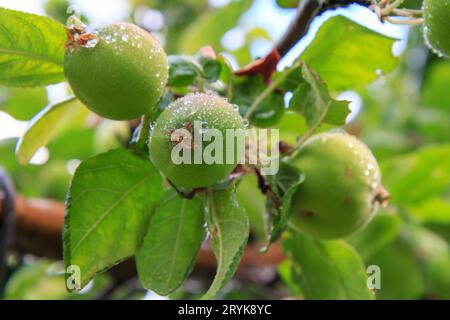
x=391, y=7
x=407, y=22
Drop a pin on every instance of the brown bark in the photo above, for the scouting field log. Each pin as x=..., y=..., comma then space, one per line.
x=38, y=225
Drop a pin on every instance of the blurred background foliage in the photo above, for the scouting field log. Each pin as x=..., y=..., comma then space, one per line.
x=404, y=117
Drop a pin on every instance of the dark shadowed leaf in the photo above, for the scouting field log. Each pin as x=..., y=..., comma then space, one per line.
x=270, y=110
x=285, y=183
x=183, y=70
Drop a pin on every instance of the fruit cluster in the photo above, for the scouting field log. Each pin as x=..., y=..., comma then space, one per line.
x=120, y=72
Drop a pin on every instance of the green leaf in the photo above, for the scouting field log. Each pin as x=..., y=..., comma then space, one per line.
x=22, y=103
x=289, y=274
x=173, y=239
x=183, y=70
x=290, y=126
x=437, y=271
x=209, y=28
x=81, y=142
x=288, y=4
x=249, y=196
x=44, y=280
x=348, y=55
x=31, y=49
x=229, y=230
x=107, y=210
x=418, y=176
x=381, y=231
x=434, y=210
x=329, y=269
x=43, y=127
x=247, y=90
x=400, y=274
x=435, y=91
x=211, y=68
x=285, y=183
x=432, y=253
x=313, y=101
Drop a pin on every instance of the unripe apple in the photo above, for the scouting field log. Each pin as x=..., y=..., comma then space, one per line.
x=118, y=71
x=195, y=115
x=437, y=25
x=341, y=188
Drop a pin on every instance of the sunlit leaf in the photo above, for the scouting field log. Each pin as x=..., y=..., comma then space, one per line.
x=312, y=99
x=31, y=49
x=419, y=175
x=107, y=210
x=347, y=55
x=43, y=127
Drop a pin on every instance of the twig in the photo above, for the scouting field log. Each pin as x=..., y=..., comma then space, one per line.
x=186, y=195
x=407, y=22
x=390, y=7
x=306, y=11
x=306, y=136
x=266, y=189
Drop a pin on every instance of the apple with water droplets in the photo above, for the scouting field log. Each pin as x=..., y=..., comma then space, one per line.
x=342, y=186
x=189, y=145
x=118, y=71
x=436, y=28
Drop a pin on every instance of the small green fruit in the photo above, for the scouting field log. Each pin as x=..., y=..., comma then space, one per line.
x=119, y=72
x=342, y=181
x=198, y=114
x=437, y=25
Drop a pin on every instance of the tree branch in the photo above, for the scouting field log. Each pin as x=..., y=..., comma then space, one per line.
x=307, y=10
x=38, y=225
